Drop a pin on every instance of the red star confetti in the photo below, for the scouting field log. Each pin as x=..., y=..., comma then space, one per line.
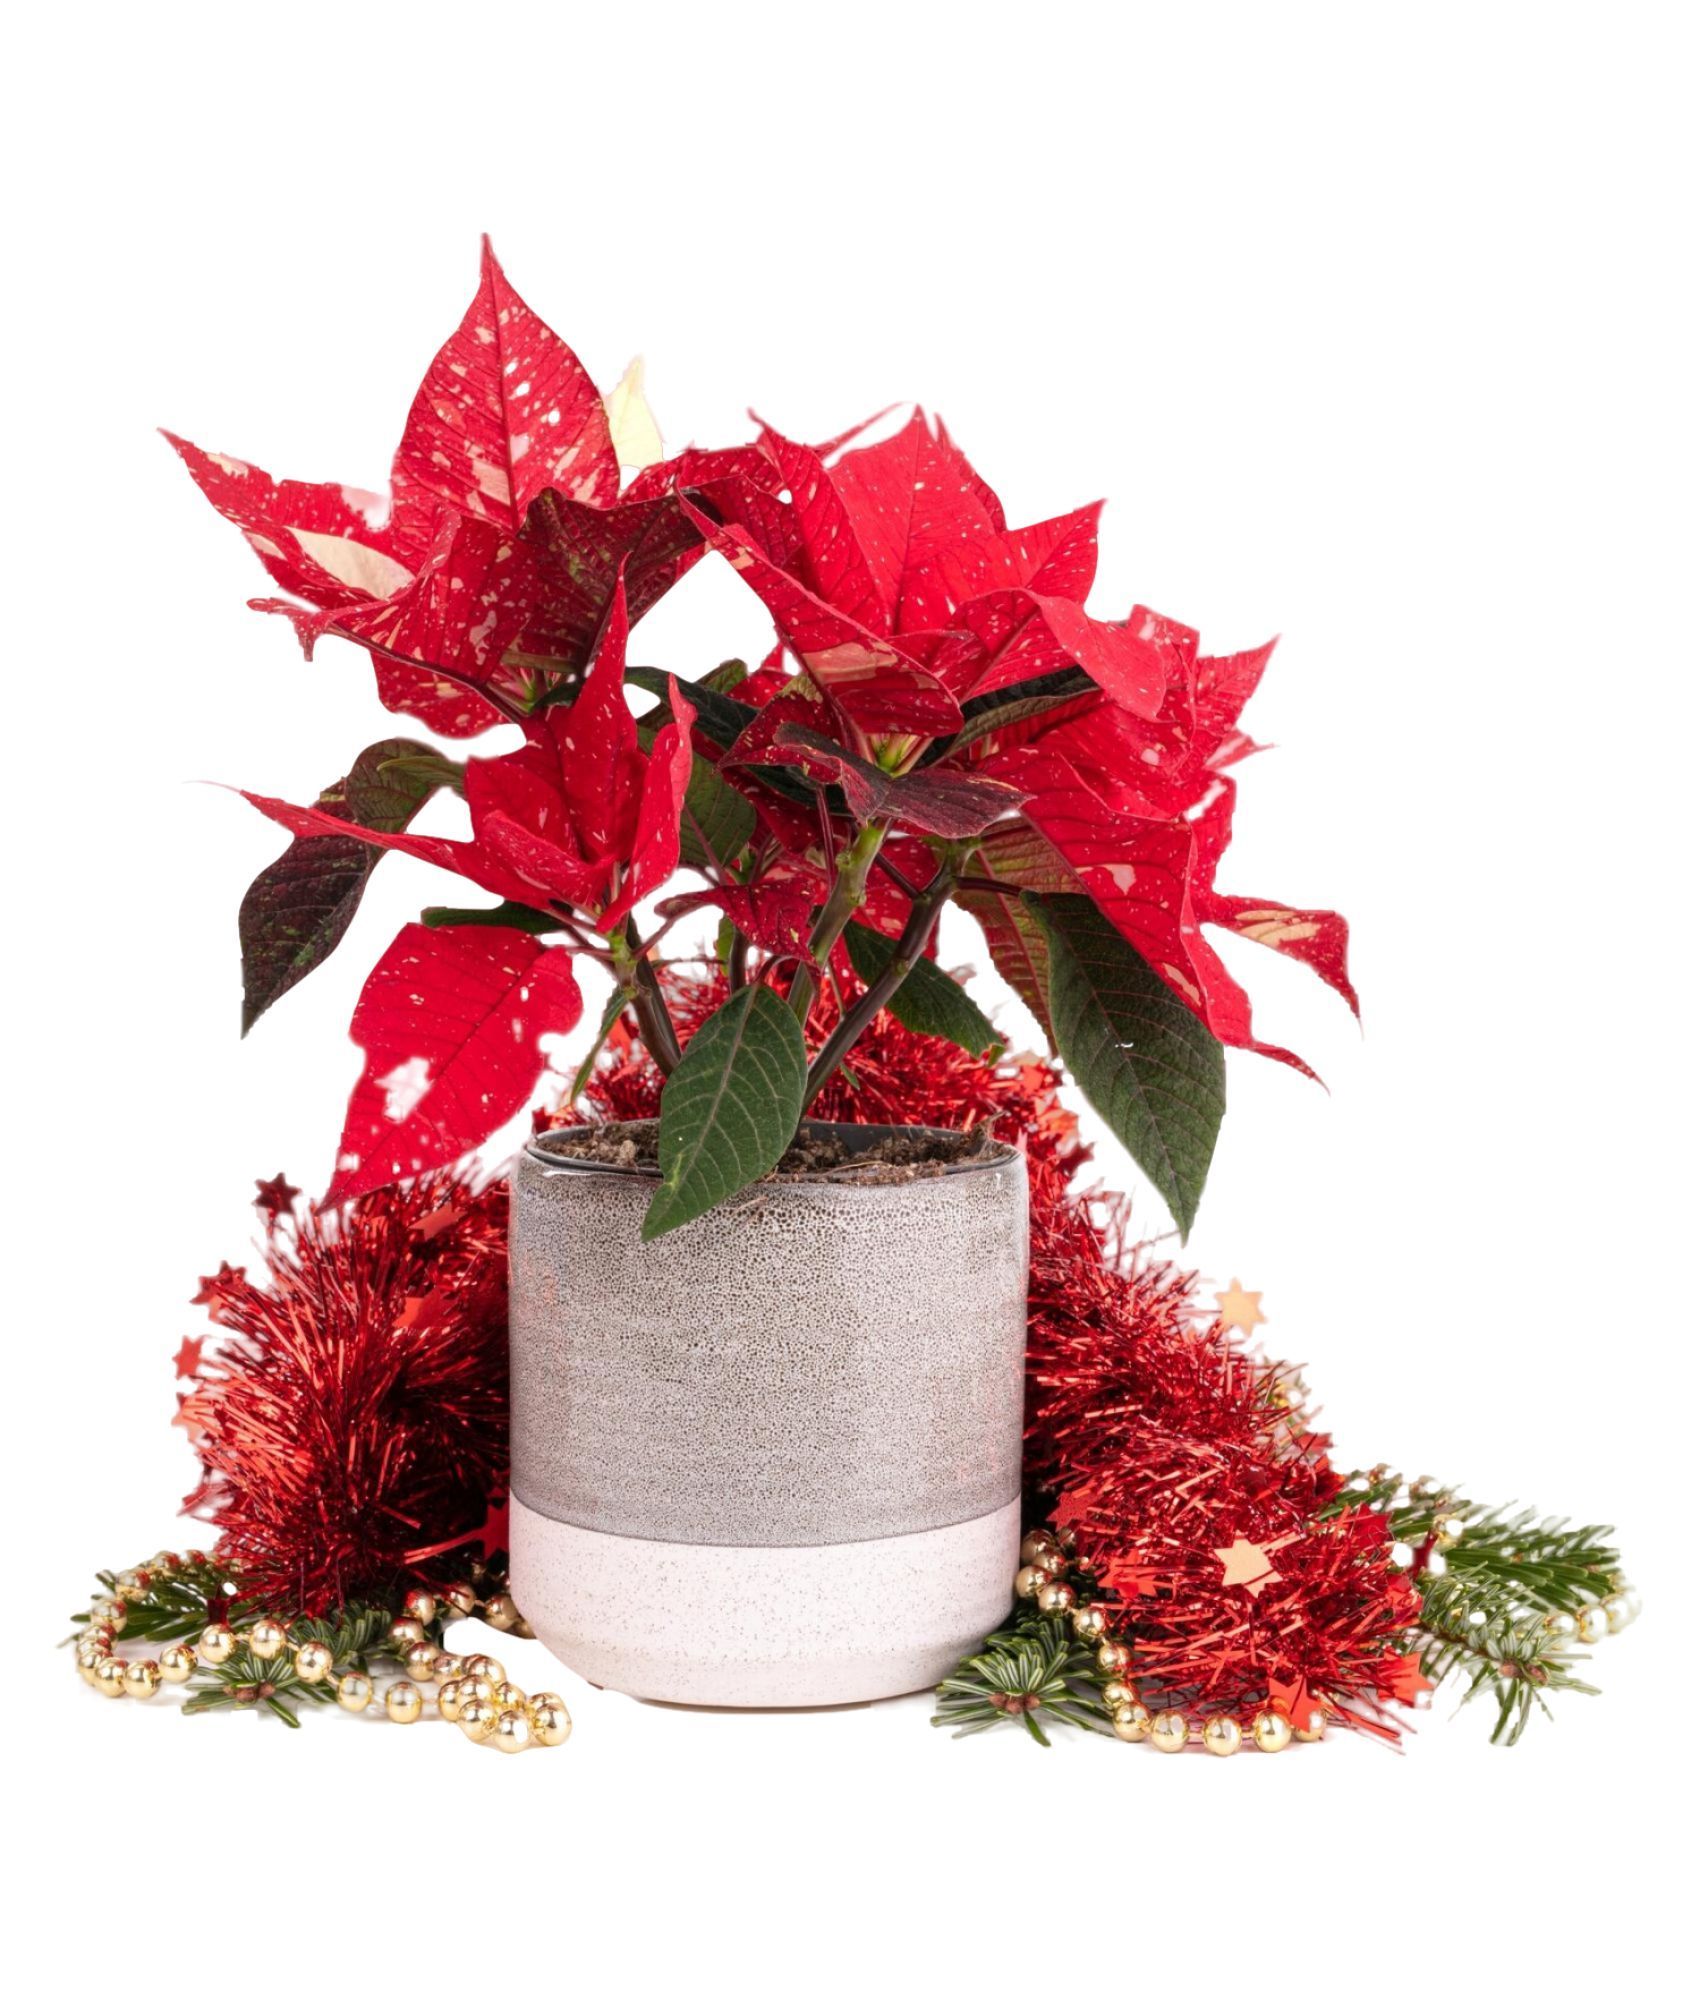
x=188, y=1358
x=214, y=1290
x=275, y=1198
x=1407, y=1682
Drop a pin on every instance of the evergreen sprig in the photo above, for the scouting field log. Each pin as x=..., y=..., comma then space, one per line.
x=1500, y=1590
x=180, y=1602
x=1031, y=1668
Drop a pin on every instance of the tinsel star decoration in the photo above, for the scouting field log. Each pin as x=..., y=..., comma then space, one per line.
x=350, y=1414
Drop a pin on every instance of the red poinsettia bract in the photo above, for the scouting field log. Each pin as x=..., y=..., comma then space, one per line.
x=941, y=717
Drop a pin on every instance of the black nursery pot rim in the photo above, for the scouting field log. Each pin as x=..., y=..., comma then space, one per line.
x=854, y=1139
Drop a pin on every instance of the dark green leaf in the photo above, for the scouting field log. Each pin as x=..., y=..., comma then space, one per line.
x=421, y=766
x=929, y=1000
x=722, y=719
x=730, y=1109
x=1019, y=702
x=717, y=822
x=296, y=910
x=502, y=916
x=1147, y=1064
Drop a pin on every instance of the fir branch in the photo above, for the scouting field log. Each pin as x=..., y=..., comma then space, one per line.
x=1500, y=1591
x=1032, y=1667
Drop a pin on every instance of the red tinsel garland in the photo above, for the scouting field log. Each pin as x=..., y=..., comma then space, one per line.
x=352, y=1419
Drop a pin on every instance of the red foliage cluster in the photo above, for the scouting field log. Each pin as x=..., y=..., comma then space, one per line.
x=351, y=1411
x=938, y=686
x=1159, y=1437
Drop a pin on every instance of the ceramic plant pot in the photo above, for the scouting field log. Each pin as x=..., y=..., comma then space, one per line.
x=773, y=1458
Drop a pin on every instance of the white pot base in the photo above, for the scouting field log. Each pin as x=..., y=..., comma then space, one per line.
x=725, y=1627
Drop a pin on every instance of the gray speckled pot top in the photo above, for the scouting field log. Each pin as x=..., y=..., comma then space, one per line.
x=813, y=1362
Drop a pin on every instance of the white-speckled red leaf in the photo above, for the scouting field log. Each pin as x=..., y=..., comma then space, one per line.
x=506, y=409
x=449, y=1021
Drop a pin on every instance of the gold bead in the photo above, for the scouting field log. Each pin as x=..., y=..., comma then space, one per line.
x=509, y=1696
x=1117, y=1694
x=1114, y=1657
x=480, y=1667
x=1221, y=1736
x=1308, y=1728
x=103, y=1634
x=477, y=1718
x=1169, y=1731
x=499, y=1612
x=1592, y=1624
x=1132, y=1721
x=108, y=1611
x=177, y=1663
x=550, y=1722
x=477, y=1687
x=1053, y=1562
x=1040, y=1542
x=1055, y=1598
x=216, y=1644
x=132, y=1585
x=88, y=1663
x=109, y=1677
x=405, y=1632
x=420, y=1604
x=1029, y=1581
x=1619, y=1610
x=449, y=1667
x=460, y=1600
x=1090, y=1624
x=267, y=1638
x=1562, y=1627
x=420, y=1660
x=1449, y=1530
x=512, y=1731
x=449, y=1697
x=141, y=1679
x=403, y=1702
x=354, y=1691
x=313, y=1660
x=1270, y=1730
x=522, y=1629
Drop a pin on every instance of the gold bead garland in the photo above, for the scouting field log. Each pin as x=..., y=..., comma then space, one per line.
x=472, y=1689
x=1042, y=1579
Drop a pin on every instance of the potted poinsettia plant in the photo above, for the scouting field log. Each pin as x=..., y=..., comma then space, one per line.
x=806, y=1476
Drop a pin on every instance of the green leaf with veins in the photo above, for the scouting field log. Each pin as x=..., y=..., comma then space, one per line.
x=929, y=1000
x=1147, y=1064
x=730, y=1108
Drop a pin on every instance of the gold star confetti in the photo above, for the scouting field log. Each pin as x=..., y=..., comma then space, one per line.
x=1239, y=1308
x=1245, y=1562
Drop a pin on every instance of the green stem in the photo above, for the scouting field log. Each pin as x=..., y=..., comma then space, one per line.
x=849, y=892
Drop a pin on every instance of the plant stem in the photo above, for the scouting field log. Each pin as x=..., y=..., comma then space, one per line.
x=655, y=1023
x=849, y=891
x=917, y=935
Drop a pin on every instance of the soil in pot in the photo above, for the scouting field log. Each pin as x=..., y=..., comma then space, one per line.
x=816, y=1154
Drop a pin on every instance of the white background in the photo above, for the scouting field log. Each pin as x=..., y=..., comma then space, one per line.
x=1375, y=328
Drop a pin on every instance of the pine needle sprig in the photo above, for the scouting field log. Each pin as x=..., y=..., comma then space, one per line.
x=1500, y=1591
x=1031, y=1668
